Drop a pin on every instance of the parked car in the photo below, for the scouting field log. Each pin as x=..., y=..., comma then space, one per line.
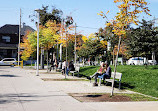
x=152, y=62
x=8, y=61
x=136, y=61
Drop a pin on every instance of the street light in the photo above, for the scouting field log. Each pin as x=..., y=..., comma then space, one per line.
x=38, y=16
x=75, y=46
x=19, y=40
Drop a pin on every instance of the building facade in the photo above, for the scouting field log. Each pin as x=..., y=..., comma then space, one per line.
x=9, y=39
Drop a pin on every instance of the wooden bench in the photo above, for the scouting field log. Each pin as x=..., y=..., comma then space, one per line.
x=77, y=69
x=118, y=77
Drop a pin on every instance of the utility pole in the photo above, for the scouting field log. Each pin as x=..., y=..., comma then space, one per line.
x=60, y=52
x=75, y=46
x=38, y=16
x=19, y=40
x=66, y=53
x=62, y=26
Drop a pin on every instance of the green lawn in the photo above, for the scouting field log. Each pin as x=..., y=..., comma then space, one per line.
x=136, y=78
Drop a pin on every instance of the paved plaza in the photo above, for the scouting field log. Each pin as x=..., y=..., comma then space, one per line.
x=22, y=90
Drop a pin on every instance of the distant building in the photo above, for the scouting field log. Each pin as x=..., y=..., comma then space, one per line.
x=9, y=39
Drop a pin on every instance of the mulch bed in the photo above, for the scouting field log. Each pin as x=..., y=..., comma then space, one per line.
x=118, y=97
x=100, y=97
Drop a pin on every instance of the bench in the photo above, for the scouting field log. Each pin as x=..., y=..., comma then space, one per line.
x=118, y=77
x=77, y=69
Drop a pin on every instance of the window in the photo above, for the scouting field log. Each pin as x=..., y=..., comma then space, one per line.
x=8, y=59
x=137, y=58
x=3, y=52
x=5, y=38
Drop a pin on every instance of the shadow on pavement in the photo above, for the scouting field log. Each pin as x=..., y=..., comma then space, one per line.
x=8, y=75
x=24, y=97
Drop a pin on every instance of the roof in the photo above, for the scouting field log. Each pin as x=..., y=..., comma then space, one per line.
x=14, y=29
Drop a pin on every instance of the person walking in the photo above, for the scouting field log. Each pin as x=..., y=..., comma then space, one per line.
x=64, y=65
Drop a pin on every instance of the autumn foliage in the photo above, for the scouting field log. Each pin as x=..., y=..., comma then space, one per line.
x=48, y=36
x=128, y=13
x=28, y=50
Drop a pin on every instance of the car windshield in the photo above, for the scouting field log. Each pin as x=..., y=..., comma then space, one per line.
x=137, y=59
x=8, y=60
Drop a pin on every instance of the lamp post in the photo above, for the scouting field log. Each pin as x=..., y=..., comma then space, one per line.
x=38, y=16
x=61, y=31
x=75, y=46
x=19, y=40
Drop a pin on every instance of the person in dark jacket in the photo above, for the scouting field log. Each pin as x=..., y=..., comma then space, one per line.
x=71, y=66
x=107, y=74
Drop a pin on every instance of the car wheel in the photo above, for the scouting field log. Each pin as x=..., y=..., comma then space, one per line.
x=12, y=65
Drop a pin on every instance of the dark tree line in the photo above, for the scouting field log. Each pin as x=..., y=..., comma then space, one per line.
x=143, y=41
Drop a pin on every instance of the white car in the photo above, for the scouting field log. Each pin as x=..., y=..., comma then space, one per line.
x=8, y=61
x=152, y=62
x=136, y=61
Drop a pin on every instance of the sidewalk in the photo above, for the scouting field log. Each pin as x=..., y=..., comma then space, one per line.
x=22, y=90
x=74, y=86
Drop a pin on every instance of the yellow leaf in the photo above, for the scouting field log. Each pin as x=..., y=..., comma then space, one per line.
x=108, y=24
x=107, y=12
x=84, y=38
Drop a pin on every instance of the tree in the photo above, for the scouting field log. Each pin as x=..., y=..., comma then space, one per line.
x=54, y=15
x=143, y=41
x=27, y=46
x=107, y=35
x=45, y=16
x=48, y=36
x=128, y=13
x=70, y=47
x=91, y=47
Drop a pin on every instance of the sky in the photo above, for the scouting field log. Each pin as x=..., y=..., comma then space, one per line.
x=84, y=12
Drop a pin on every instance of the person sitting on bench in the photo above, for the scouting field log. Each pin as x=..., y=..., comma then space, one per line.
x=101, y=70
x=107, y=74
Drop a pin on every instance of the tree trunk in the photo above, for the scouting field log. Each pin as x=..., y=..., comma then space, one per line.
x=113, y=58
x=83, y=61
x=47, y=61
x=112, y=91
x=153, y=55
x=95, y=61
x=57, y=58
x=42, y=58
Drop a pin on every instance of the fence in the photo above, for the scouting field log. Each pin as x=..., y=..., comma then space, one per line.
x=21, y=63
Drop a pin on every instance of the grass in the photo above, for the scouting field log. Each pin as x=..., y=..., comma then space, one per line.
x=88, y=70
x=138, y=97
x=142, y=79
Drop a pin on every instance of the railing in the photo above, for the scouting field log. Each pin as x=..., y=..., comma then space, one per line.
x=21, y=63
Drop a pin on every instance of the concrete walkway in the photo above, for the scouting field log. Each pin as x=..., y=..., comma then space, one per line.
x=22, y=90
